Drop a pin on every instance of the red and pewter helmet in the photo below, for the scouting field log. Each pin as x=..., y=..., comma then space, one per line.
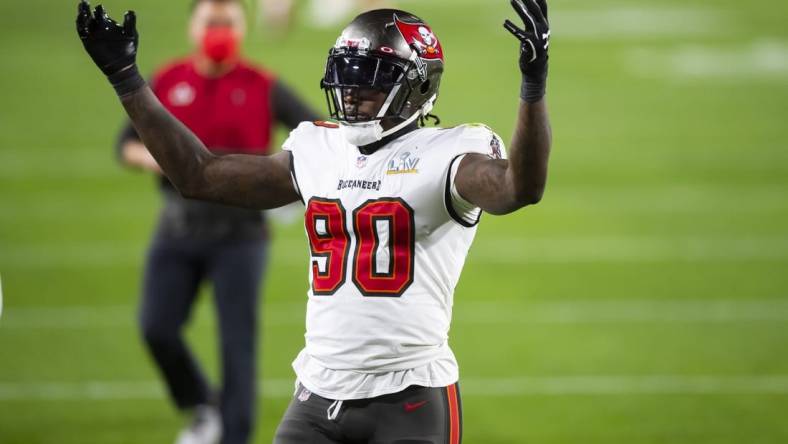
x=391, y=51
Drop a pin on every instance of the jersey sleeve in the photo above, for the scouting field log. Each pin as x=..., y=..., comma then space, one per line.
x=291, y=144
x=292, y=139
x=477, y=139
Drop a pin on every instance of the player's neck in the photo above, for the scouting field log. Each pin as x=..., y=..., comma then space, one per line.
x=372, y=147
x=211, y=69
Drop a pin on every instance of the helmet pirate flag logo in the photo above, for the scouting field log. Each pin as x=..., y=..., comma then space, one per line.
x=420, y=37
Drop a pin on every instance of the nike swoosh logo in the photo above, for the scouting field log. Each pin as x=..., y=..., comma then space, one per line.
x=409, y=407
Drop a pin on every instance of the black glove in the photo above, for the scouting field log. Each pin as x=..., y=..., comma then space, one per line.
x=111, y=46
x=534, y=43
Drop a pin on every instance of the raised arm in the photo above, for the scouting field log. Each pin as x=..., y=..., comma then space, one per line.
x=240, y=180
x=503, y=186
x=234, y=179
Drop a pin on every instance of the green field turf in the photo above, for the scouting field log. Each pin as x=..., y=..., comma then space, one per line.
x=645, y=300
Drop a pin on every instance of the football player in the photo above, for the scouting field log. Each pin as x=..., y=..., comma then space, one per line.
x=391, y=211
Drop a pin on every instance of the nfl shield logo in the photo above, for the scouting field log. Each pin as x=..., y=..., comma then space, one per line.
x=304, y=395
x=495, y=148
x=361, y=161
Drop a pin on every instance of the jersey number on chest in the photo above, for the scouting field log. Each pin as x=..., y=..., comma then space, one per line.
x=382, y=261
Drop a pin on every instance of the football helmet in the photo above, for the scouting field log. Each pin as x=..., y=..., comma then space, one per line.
x=390, y=51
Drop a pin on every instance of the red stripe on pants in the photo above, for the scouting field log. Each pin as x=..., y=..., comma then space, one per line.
x=454, y=415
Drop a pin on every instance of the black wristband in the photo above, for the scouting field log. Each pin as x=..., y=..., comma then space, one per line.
x=126, y=81
x=532, y=92
x=534, y=84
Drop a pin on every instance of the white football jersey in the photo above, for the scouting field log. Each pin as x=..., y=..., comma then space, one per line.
x=388, y=236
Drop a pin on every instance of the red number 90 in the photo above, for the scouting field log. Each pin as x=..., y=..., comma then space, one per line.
x=384, y=230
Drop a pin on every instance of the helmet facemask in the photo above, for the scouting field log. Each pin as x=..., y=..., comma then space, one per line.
x=351, y=73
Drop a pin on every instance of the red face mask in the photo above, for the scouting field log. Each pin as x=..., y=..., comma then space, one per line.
x=220, y=43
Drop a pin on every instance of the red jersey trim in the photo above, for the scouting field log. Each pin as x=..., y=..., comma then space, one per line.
x=325, y=124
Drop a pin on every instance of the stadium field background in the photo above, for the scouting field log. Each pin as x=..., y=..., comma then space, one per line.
x=645, y=300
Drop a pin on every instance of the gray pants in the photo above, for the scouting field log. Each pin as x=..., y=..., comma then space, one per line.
x=173, y=273
x=416, y=415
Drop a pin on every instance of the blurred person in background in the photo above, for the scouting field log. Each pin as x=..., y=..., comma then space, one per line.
x=232, y=106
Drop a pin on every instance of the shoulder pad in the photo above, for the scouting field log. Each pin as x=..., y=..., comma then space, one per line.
x=476, y=125
x=475, y=131
x=483, y=138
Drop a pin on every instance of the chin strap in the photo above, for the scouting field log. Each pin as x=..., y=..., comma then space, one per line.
x=398, y=127
x=423, y=112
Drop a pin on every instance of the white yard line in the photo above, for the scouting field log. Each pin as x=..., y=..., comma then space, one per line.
x=465, y=312
x=761, y=59
x=626, y=385
x=622, y=311
x=488, y=249
x=582, y=249
x=706, y=200
x=601, y=21
x=497, y=387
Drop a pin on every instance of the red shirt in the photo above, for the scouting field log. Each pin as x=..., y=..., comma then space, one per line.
x=229, y=114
